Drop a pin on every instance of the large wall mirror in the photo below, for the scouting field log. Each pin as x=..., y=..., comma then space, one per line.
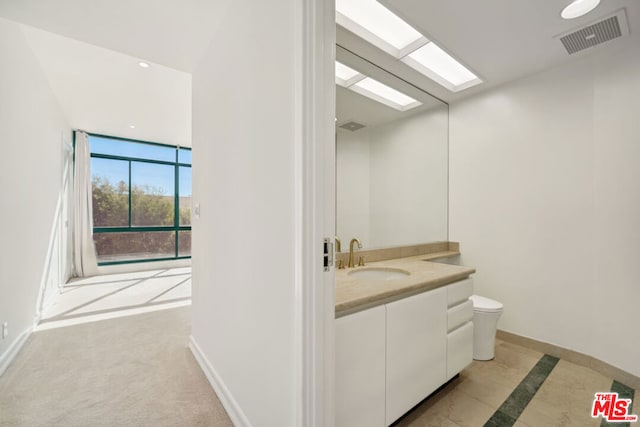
x=391, y=158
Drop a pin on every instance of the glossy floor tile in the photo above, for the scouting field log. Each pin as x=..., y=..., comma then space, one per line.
x=512, y=407
x=566, y=397
x=483, y=394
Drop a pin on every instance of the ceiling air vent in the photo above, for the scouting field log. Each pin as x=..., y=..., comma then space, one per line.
x=594, y=34
x=352, y=126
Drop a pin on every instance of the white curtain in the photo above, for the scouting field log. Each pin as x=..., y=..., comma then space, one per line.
x=84, y=254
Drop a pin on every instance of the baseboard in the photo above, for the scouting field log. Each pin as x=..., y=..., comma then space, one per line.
x=45, y=304
x=13, y=350
x=143, y=266
x=573, y=356
x=238, y=418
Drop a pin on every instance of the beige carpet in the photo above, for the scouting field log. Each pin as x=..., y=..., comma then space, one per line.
x=129, y=371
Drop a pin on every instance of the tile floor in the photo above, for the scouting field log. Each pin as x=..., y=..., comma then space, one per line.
x=563, y=399
x=116, y=295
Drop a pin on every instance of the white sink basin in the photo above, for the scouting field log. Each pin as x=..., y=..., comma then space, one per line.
x=379, y=273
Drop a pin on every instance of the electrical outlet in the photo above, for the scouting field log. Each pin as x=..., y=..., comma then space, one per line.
x=5, y=330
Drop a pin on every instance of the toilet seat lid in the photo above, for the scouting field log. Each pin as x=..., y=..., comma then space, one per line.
x=485, y=304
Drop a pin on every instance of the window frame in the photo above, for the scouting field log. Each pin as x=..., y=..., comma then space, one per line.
x=176, y=227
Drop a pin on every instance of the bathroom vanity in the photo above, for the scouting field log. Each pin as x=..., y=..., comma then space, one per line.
x=403, y=322
x=403, y=329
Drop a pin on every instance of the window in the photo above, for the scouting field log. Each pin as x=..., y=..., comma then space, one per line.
x=141, y=195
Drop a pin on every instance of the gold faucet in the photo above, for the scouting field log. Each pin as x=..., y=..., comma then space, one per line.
x=354, y=240
x=338, y=245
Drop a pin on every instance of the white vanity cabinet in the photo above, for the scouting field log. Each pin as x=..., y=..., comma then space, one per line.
x=416, y=350
x=360, y=348
x=459, y=326
x=390, y=357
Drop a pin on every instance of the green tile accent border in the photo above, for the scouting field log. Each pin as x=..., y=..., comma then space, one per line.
x=510, y=410
x=624, y=392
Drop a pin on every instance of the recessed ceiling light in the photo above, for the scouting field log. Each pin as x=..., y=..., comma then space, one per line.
x=378, y=25
x=382, y=93
x=578, y=8
x=439, y=66
x=345, y=73
x=143, y=64
x=346, y=76
x=373, y=22
x=132, y=126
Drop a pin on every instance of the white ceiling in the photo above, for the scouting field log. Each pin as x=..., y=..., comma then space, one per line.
x=93, y=69
x=500, y=40
x=105, y=92
x=174, y=33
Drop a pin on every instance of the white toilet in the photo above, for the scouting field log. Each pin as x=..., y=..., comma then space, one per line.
x=486, y=313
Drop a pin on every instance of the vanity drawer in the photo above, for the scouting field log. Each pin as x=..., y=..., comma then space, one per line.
x=459, y=292
x=459, y=315
x=459, y=349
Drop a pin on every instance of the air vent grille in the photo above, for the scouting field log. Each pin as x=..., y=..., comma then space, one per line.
x=352, y=126
x=592, y=35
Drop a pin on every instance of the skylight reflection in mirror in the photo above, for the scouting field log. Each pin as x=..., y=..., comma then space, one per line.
x=351, y=79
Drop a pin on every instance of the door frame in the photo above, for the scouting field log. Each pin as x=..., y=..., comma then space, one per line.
x=315, y=202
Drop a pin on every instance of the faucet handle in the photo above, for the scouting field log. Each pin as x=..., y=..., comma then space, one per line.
x=361, y=262
x=340, y=264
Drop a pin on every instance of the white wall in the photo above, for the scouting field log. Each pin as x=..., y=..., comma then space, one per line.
x=244, y=181
x=353, y=187
x=32, y=131
x=392, y=182
x=545, y=200
x=409, y=180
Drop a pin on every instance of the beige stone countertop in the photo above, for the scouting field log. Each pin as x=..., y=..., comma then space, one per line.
x=354, y=295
